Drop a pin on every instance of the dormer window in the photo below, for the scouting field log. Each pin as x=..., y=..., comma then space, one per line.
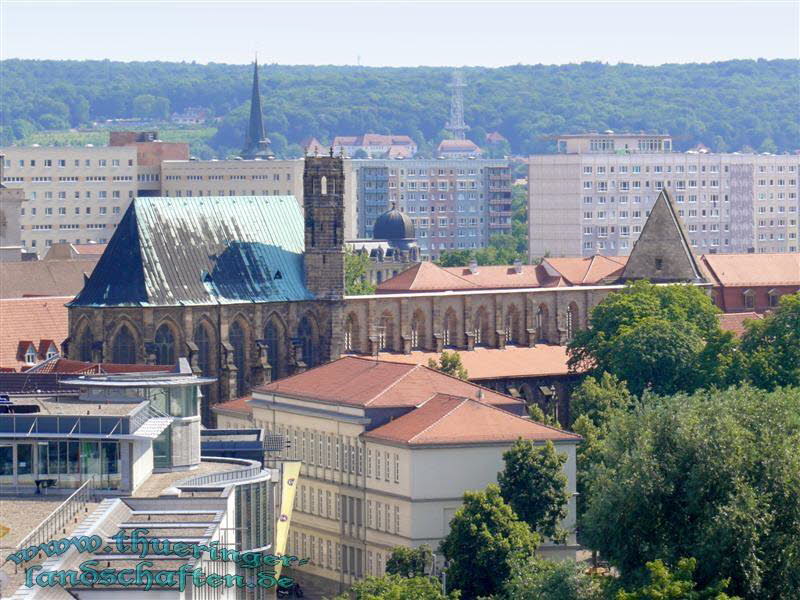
x=749, y=298
x=774, y=297
x=659, y=264
x=30, y=355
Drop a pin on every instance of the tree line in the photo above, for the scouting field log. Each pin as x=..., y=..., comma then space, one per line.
x=727, y=105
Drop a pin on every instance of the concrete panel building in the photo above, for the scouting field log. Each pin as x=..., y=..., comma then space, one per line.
x=453, y=204
x=594, y=195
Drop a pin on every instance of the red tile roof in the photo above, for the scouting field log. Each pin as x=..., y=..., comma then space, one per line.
x=446, y=419
x=89, y=248
x=240, y=405
x=592, y=270
x=553, y=272
x=458, y=146
x=66, y=366
x=750, y=270
x=369, y=383
x=734, y=322
x=496, y=363
x=30, y=320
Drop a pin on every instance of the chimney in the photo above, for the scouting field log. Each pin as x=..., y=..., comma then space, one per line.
x=473, y=266
x=518, y=266
x=480, y=393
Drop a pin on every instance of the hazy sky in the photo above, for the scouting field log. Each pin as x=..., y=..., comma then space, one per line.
x=401, y=33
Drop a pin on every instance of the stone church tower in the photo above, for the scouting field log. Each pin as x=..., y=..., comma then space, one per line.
x=323, y=199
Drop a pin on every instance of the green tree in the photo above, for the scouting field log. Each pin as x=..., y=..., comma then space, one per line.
x=771, y=346
x=450, y=363
x=675, y=585
x=394, y=587
x=714, y=475
x=594, y=397
x=410, y=562
x=653, y=337
x=484, y=536
x=455, y=258
x=356, y=265
x=533, y=483
x=533, y=578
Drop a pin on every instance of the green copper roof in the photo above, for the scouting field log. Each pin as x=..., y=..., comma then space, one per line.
x=202, y=250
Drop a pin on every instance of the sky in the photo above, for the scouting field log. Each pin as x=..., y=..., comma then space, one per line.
x=405, y=33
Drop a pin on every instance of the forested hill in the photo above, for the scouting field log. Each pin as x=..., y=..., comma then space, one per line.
x=725, y=105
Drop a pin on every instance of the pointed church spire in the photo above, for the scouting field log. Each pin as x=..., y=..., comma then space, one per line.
x=256, y=143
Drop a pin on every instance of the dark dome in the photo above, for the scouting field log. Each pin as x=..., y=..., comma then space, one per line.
x=393, y=225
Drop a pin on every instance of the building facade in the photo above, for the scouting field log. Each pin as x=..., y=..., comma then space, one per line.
x=453, y=204
x=594, y=195
x=374, y=438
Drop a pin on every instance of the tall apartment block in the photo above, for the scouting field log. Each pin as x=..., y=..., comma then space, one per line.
x=593, y=196
x=454, y=204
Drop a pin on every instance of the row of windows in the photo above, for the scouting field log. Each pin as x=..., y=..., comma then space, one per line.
x=601, y=169
x=192, y=193
x=62, y=210
x=273, y=177
x=49, y=243
x=326, y=554
x=77, y=162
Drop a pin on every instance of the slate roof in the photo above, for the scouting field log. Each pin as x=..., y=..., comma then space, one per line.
x=447, y=419
x=202, y=250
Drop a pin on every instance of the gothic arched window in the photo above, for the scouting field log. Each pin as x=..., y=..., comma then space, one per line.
x=418, y=331
x=481, y=326
x=572, y=320
x=512, y=325
x=236, y=337
x=85, y=343
x=450, y=333
x=541, y=323
x=274, y=339
x=305, y=333
x=351, y=334
x=165, y=346
x=123, y=350
x=386, y=333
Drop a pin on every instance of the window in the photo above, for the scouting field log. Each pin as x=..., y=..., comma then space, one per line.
x=123, y=349
x=236, y=337
x=165, y=346
x=749, y=299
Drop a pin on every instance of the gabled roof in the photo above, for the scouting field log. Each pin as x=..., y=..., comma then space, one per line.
x=202, y=250
x=430, y=277
x=446, y=419
x=44, y=277
x=752, y=270
x=425, y=277
x=30, y=321
x=664, y=242
x=592, y=270
x=370, y=383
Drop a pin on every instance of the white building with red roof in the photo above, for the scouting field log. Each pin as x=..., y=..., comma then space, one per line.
x=388, y=450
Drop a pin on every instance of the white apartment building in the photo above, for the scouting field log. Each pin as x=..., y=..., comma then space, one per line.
x=595, y=194
x=74, y=194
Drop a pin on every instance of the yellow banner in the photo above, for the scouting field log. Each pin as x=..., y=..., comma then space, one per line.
x=290, y=476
